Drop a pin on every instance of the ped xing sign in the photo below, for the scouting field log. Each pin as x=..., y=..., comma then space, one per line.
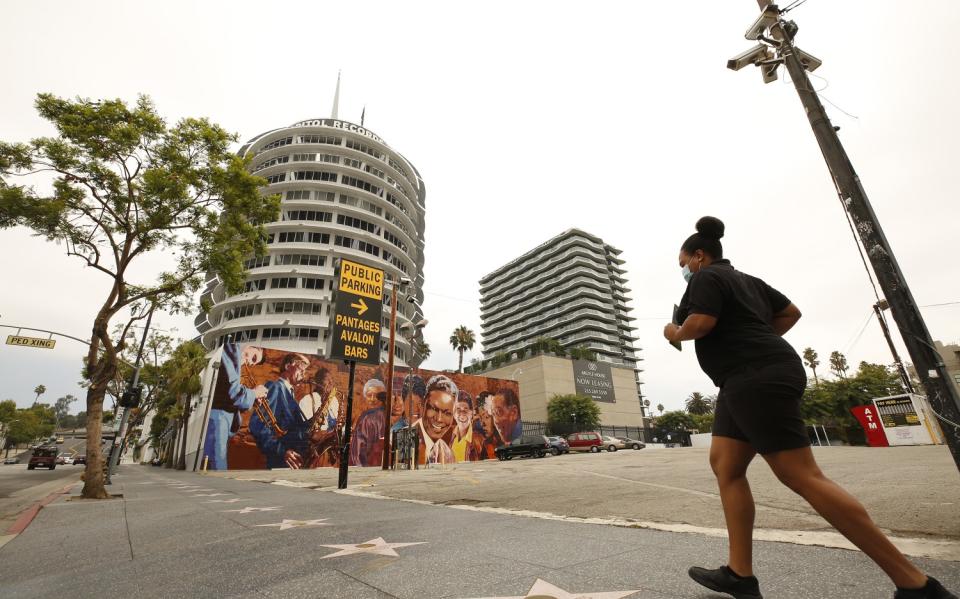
x=358, y=311
x=31, y=342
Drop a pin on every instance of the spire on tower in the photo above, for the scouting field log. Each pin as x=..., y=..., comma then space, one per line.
x=336, y=99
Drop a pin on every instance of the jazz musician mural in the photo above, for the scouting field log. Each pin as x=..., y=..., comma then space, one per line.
x=279, y=409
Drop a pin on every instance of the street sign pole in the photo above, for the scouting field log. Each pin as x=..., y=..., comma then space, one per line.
x=345, y=448
x=114, y=458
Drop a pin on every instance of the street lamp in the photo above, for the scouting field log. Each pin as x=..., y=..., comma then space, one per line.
x=396, y=287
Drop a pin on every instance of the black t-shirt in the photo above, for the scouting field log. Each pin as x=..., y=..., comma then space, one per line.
x=744, y=307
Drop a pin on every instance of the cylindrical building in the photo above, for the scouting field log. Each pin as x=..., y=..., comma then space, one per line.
x=345, y=193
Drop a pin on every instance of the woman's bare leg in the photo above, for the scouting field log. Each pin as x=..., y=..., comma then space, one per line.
x=729, y=459
x=797, y=469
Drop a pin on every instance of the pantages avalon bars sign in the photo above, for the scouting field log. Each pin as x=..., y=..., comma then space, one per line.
x=357, y=313
x=594, y=380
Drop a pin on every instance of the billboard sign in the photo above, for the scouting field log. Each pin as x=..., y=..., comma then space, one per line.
x=593, y=379
x=357, y=313
x=904, y=421
x=278, y=409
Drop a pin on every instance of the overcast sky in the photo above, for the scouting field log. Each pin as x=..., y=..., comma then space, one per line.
x=526, y=119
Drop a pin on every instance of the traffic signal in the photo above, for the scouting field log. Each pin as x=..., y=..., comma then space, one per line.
x=130, y=397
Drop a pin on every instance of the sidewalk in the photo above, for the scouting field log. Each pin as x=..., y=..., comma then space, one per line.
x=188, y=535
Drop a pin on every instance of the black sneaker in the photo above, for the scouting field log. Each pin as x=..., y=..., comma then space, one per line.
x=723, y=580
x=933, y=590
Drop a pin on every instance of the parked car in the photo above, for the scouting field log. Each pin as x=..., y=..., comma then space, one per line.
x=44, y=456
x=59, y=439
x=585, y=442
x=11, y=461
x=61, y=459
x=80, y=459
x=530, y=445
x=558, y=445
x=632, y=443
x=612, y=443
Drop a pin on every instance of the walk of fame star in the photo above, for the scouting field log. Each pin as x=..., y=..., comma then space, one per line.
x=248, y=509
x=376, y=546
x=542, y=589
x=234, y=500
x=208, y=495
x=298, y=523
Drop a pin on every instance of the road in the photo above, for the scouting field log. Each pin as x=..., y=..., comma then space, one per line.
x=176, y=534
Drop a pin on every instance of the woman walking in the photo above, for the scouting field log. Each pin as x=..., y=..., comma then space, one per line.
x=738, y=322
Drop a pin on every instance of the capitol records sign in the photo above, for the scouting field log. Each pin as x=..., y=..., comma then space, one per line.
x=594, y=380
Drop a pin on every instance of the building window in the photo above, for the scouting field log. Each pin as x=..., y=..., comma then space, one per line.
x=326, y=196
x=255, y=285
x=311, y=283
x=396, y=203
x=394, y=240
x=361, y=184
x=361, y=147
x=321, y=139
x=257, y=262
x=283, y=283
x=304, y=157
x=271, y=162
x=314, y=176
x=375, y=171
x=294, y=308
x=300, y=259
x=321, y=216
x=351, y=162
x=278, y=143
x=356, y=244
x=242, y=311
x=358, y=223
x=287, y=237
x=299, y=194
x=276, y=333
x=277, y=178
x=323, y=238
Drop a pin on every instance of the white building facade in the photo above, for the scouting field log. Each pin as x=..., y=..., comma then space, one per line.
x=344, y=194
x=570, y=288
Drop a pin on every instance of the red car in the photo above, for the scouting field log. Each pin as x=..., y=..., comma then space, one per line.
x=43, y=456
x=585, y=442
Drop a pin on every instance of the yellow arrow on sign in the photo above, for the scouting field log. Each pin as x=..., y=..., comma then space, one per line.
x=361, y=307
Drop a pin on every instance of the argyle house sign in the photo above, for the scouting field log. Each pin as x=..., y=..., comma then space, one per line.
x=594, y=380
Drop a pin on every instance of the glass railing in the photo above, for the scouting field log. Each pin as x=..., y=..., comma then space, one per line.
x=501, y=278
x=536, y=276
x=573, y=283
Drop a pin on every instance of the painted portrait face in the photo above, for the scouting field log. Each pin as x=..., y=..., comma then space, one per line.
x=486, y=421
x=396, y=406
x=416, y=404
x=504, y=416
x=251, y=355
x=463, y=414
x=295, y=371
x=438, y=414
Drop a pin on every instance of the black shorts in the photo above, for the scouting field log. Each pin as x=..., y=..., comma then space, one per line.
x=761, y=406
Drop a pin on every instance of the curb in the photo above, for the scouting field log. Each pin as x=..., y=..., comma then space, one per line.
x=27, y=516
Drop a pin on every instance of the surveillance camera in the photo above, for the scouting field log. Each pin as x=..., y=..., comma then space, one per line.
x=752, y=56
x=809, y=62
x=766, y=20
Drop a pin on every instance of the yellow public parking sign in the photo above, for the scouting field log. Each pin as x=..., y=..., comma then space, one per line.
x=31, y=342
x=357, y=313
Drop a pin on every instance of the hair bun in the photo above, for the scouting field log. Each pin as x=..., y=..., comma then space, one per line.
x=710, y=227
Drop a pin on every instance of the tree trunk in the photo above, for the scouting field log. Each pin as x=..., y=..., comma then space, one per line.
x=93, y=474
x=182, y=463
x=460, y=368
x=816, y=381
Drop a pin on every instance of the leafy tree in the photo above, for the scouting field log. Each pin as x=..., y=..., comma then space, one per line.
x=462, y=340
x=583, y=352
x=699, y=404
x=830, y=402
x=810, y=358
x=8, y=410
x=422, y=348
x=39, y=390
x=677, y=420
x=703, y=422
x=62, y=407
x=571, y=412
x=838, y=364
x=128, y=189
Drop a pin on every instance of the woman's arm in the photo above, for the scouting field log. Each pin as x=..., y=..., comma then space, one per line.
x=694, y=326
x=784, y=320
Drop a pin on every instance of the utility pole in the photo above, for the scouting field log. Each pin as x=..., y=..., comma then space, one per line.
x=388, y=405
x=878, y=309
x=776, y=47
x=132, y=392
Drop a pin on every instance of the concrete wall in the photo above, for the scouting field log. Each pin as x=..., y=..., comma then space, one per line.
x=541, y=377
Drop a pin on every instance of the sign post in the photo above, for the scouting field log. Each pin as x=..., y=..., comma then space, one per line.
x=357, y=315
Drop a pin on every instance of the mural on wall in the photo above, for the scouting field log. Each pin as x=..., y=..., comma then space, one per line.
x=279, y=409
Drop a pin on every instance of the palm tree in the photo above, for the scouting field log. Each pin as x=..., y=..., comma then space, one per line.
x=462, y=340
x=422, y=348
x=697, y=403
x=810, y=359
x=183, y=380
x=660, y=408
x=838, y=364
x=40, y=390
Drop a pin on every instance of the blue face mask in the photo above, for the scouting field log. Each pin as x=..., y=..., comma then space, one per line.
x=687, y=273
